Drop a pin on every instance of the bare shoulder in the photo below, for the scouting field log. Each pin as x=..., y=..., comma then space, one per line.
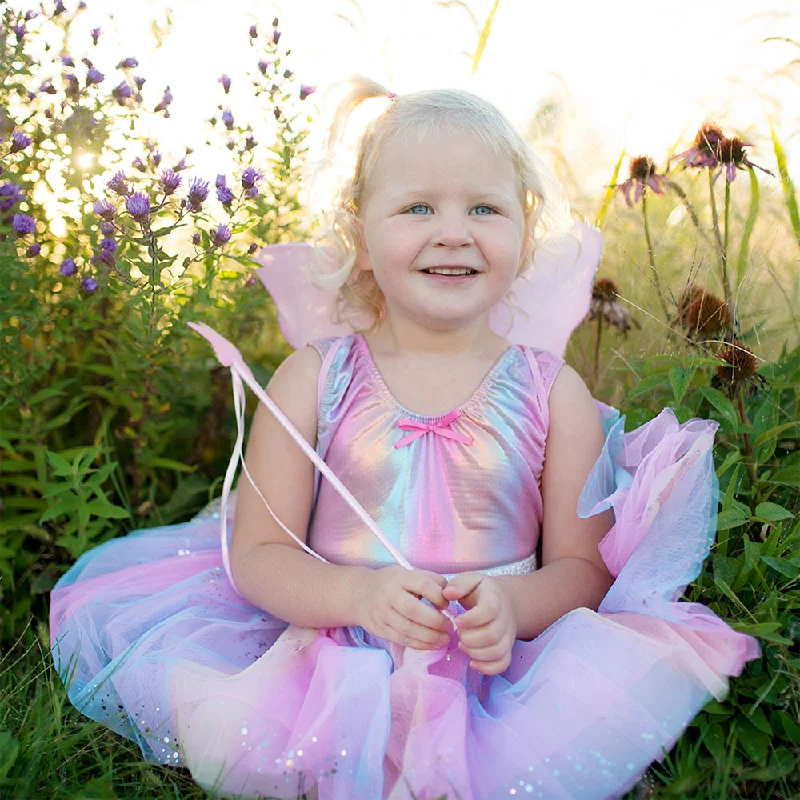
x=569, y=396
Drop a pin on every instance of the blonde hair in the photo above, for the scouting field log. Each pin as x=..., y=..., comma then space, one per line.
x=437, y=111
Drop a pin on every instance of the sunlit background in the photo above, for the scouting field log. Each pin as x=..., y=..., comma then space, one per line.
x=589, y=78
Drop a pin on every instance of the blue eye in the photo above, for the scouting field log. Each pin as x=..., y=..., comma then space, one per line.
x=492, y=210
x=418, y=205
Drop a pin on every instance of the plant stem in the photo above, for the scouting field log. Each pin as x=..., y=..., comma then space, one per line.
x=748, y=447
x=651, y=256
x=597, y=348
x=725, y=271
x=721, y=246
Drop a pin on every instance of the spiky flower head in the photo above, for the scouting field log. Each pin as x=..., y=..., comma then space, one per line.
x=704, y=151
x=701, y=312
x=739, y=368
x=605, y=305
x=169, y=181
x=118, y=185
x=732, y=156
x=19, y=141
x=94, y=76
x=221, y=235
x=306, y=90
x=88, y=285
x=198, y=192
x=642, y=174
x=23, y=224
x=226, y=83
x=67, y=267
x=104, y=209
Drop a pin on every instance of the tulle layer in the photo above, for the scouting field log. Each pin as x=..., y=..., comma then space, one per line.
x=154, y=643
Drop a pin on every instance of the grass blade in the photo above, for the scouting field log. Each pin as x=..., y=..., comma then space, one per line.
x=484, y=37
x=750, y=223
x=609, y=195
x=786, y=182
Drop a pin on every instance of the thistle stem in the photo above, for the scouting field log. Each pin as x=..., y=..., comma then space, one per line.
x=651, y=256
x=725, y=271
x=748, y=446
x=722, y=256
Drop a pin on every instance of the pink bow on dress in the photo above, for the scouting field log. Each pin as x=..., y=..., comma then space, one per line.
x=441, y=428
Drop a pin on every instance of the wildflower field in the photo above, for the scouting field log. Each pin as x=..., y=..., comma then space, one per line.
x=114, y=417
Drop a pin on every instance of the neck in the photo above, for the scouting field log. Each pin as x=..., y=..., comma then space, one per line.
x=401, y=336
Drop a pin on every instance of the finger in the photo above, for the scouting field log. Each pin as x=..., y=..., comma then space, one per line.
x=462, y=585
x=485, y=636
x=415, y=610
x=487, y=655
x=483, y=613
x=428, y=585
x=491, y=667
x=429, y=637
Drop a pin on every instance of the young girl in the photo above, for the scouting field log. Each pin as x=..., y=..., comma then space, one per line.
x=312, y=654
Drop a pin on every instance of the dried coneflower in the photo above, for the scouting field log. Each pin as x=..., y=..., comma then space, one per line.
x=704, y=151
x=642, y=174
x=605, y=305
x=740, y=368
x=701, y=312
x=732, y=156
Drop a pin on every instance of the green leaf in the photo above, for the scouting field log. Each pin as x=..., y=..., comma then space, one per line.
x=787, y=476
x=759, y=719
x=484, y=37
x=772, y=512
x=753, y=742
x=731, y=518
x=107, y=511
x=60, y=465
x=168, y=463
x=722, y=404
x=774, y=432
x=762, y=630
x=714, y=740
x=679, y=379
x=66, y=505
x=609, y=194
x=782, y=565
x=750, y=223
x=729, y=461
x=786, y=182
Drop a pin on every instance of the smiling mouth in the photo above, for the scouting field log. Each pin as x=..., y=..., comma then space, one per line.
x=455, y=271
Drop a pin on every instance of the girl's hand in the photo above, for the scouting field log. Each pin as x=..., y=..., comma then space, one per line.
x=488, y=629
x=388, y=604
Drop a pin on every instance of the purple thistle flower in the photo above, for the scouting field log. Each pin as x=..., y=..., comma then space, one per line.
x=138, y=206
x=106, y=228
x=128, y=63
x=277, y=112
x=275, y=22
x=109, y=244
x=306, y=90
x=225, y=195
x=19, y=141
x=226, y=83
x=33, y=250
x=198, y=192
x=227, y=118
x=23, y=224
x=88, y=285
x=95, y=35
x=67, y=61
x=276, y=36
x=94, y=76
x=118, y=185
x=642, y=175
x=221, y=235
x=87, y=62
x=253, y=32
x=169, y=181
x=68, y=267
x=196, y=238
x=732, y=156
x=262, y=65
x=104, y=209
x=252, y=192
x=287, y=73
x=250, y=177
x=165, y=101
x=60, y=8
x=156, y=159
x=137, y=163
x=253, y=247
x=220, y=182
x=11, y=194
x=47, y=87
x=181, y=165
x=139, y=82
x=19, y=31
x=250, y=143
x=121, y=92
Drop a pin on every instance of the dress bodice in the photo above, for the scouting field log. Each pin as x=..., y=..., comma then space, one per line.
x=453, y=492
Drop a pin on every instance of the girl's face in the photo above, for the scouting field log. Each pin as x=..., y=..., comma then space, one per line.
x=443, y=202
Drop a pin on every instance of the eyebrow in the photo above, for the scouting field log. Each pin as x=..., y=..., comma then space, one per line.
x=410, y=194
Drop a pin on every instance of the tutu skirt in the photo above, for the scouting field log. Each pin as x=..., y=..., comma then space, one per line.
x=153, y=642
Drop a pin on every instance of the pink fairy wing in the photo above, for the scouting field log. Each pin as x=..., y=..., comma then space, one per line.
x=304, y=311
x=554, y=295
x=552, y=298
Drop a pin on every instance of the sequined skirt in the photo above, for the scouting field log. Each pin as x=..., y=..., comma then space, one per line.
x=154, y=643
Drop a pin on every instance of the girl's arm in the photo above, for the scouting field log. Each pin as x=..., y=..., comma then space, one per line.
x=573, y=574
x=270, y=569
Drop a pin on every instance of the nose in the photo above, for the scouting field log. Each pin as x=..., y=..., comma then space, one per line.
x=452, y=231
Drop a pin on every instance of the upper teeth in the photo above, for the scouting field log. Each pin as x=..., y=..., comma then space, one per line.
x=450, y=271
